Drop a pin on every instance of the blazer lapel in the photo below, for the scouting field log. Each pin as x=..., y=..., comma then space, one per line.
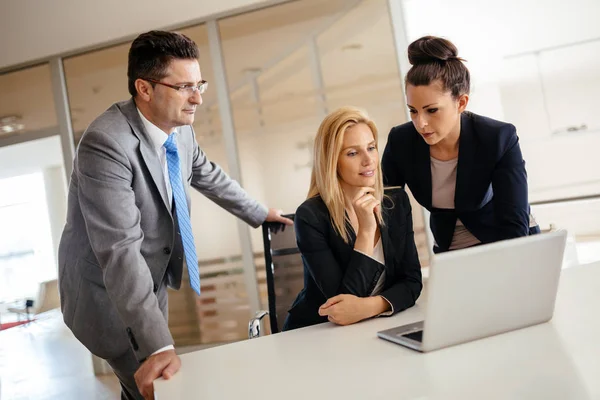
x=390, y=253
x=147, y=149
x=423, y=171
x=466, y=153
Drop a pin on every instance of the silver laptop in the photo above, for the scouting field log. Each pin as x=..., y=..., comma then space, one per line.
x=485, y=290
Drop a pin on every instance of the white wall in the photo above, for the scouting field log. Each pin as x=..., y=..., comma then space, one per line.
x=486, y=31
x=30, y=157
x=271, y=169
x=34, y=29
x=509, y=88
x=55, y=185
x=45, y=156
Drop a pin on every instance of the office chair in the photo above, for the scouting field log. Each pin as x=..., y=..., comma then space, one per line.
x=46, y=299
x=285, y=275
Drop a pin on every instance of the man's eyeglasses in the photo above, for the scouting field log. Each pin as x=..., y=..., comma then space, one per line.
x=188, y=89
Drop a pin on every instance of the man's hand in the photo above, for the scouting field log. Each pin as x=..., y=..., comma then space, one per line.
x=164, y=364
x=275, y=216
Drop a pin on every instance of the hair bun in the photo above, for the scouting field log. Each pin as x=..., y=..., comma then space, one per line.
x=430, y=49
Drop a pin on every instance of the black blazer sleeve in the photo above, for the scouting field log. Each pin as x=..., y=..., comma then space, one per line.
x=509, y=183
x=392, y=169
x=408, y=280
x=312, y=230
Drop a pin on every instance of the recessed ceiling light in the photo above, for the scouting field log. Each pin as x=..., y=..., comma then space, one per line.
x=9, y=119
x=10, y=123
x=252, y=70
x=352, y=46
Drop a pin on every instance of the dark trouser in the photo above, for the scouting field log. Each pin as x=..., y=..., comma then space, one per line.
x=125, y=367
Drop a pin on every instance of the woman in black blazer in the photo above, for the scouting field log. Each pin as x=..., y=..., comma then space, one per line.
x=466, y=169
x=357, y=245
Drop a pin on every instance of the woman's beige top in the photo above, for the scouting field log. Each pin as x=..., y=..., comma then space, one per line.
x=443, y=186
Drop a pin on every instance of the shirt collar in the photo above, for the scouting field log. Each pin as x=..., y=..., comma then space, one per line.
x=157, y=135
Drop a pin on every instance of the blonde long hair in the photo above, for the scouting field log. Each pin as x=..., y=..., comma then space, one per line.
x=325, y=181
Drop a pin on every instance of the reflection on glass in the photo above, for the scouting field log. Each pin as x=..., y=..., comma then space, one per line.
x=328, y=54
x=95, y=81
x=26, y=101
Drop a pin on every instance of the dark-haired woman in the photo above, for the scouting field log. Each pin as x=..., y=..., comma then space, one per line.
x=466, y=169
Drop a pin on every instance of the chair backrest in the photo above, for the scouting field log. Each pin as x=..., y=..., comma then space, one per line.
x=47, y=297
x=285, y=272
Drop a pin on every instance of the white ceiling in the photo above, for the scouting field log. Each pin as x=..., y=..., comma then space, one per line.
x=36, y=29
x=356, y=52
x=355, y=48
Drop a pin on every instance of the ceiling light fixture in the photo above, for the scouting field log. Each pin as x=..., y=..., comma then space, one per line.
x=352, y=46
x=10, y=123
x=252, y=71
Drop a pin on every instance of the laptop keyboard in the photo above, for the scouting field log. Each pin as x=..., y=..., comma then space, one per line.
x=416, y=336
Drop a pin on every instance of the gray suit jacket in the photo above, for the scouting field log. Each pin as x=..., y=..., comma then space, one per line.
x=120, y=247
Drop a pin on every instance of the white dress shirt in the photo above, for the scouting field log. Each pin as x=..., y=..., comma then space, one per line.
x=158, y=138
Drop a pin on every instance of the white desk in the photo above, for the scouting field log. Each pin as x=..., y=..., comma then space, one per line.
x=557, y=360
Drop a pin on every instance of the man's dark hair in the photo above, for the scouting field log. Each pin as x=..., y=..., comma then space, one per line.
x=151, y=53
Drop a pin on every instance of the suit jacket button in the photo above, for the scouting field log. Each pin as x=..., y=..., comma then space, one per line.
x=167, y=250
x=155, y=288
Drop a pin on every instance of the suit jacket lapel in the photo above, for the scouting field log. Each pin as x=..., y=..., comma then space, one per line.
x=466, y=153
x=182, y=149
x=147, y=149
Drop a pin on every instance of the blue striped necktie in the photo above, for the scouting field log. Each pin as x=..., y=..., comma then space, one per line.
x=182, y=212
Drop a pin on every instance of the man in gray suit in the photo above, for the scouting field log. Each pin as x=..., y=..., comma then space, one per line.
x=128, y=233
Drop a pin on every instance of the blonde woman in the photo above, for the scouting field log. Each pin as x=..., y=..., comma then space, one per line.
x=357, y=245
